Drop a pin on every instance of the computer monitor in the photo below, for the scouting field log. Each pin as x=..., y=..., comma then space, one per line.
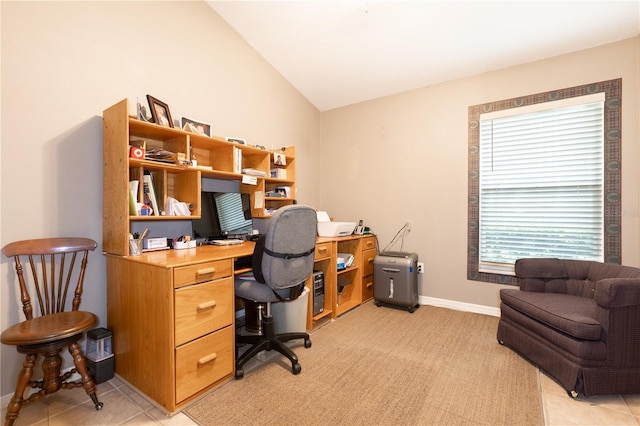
x=234, y=213
x=208, y=226
x=223, y=214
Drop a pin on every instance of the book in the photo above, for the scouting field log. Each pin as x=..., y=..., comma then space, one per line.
x=237, y=160
x=133, y=197
x=150, y=193
x=254, y=172
x=133, y=187
x=133, y=210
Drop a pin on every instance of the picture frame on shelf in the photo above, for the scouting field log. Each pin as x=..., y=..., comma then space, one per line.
x=160, y=112
x=195, y=126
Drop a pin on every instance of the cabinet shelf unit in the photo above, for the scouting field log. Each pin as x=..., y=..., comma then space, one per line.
x=215, y=157
x=347, y=288
x=325, y=260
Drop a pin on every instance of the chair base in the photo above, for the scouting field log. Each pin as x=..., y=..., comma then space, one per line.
x=267, y=341
x=52, y=380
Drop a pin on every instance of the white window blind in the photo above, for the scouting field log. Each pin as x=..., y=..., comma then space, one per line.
x=541, y=183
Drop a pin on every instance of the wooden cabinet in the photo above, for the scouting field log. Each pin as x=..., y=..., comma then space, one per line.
x=215, y=158
x=344, y=289
x=172, y=317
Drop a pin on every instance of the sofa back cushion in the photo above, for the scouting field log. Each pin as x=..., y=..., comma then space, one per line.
x=572, y=277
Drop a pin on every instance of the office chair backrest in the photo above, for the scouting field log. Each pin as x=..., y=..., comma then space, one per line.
x=56, y=267
x=289, y=247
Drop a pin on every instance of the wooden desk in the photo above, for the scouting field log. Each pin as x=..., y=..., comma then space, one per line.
x=173, y=321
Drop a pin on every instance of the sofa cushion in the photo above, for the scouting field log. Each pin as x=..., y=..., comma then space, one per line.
x=573, y=315
x=548, y=268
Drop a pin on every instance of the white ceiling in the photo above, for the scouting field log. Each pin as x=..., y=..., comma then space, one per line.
x=338, y=53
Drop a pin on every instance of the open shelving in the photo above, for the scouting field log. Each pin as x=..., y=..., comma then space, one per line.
x=214, y=158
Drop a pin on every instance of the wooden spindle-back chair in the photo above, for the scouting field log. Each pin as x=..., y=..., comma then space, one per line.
x=49, y=271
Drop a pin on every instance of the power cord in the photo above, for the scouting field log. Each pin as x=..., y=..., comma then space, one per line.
x=400, y=234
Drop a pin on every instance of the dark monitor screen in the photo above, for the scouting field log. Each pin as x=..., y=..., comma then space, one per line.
x=223, y=214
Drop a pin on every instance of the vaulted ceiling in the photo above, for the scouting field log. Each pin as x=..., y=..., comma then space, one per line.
x=338, y=53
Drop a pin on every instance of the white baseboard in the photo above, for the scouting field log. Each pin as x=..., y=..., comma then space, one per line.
x=459, y=306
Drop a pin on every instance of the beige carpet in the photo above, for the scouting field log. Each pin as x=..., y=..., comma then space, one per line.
x=383, y=366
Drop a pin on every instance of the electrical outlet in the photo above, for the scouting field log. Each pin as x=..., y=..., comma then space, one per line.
x=421, y=267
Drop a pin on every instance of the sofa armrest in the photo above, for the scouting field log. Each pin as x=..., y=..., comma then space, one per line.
x=618, y=292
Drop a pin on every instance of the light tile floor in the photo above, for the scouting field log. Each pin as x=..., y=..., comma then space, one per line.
x=124, y=406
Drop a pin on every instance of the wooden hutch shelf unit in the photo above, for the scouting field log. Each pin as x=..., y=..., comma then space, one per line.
x=216, y=158
x=172, y=311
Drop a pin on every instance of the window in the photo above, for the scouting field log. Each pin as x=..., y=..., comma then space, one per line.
x=544, y=179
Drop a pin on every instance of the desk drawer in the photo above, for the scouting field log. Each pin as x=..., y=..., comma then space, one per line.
x=368, y=256
x=202, y=272
x=368, y=242
x=203, y=308
x=203, y=362
x=323, y=251
x=367, y=288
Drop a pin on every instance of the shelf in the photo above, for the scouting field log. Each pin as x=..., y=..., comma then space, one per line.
x=216, y=158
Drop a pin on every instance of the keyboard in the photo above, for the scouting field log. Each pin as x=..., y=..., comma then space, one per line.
x=228, y=242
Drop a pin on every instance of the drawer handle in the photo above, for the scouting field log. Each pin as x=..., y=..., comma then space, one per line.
x=370, y=260
x=369, y=284
x=322, y=249
x=207, y=359
x=369, y=243
x=206, y=305
x=204, y=272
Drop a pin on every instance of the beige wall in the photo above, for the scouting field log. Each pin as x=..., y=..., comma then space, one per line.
x=63, y=63
x=386, y=161
x=404, y=157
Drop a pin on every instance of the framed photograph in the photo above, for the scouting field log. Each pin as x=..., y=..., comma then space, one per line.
x=160, y=112
x=194, y=126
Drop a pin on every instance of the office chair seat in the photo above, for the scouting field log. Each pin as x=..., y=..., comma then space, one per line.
x=282, y=262
x=247, y=289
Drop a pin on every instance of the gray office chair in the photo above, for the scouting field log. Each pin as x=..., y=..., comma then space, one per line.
x=282, y=262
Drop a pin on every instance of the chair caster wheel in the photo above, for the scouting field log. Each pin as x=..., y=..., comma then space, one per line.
x=239, y=374
x=99, y=406
x=296, y=369
x=377, y=303
x=307, y=343
x=573, y=394
x=501, y=342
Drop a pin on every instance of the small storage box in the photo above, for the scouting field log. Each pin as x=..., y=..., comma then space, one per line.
x=99, y=355
x=395, y=279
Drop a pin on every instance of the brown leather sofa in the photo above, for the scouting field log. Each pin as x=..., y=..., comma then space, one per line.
x=579, y=321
